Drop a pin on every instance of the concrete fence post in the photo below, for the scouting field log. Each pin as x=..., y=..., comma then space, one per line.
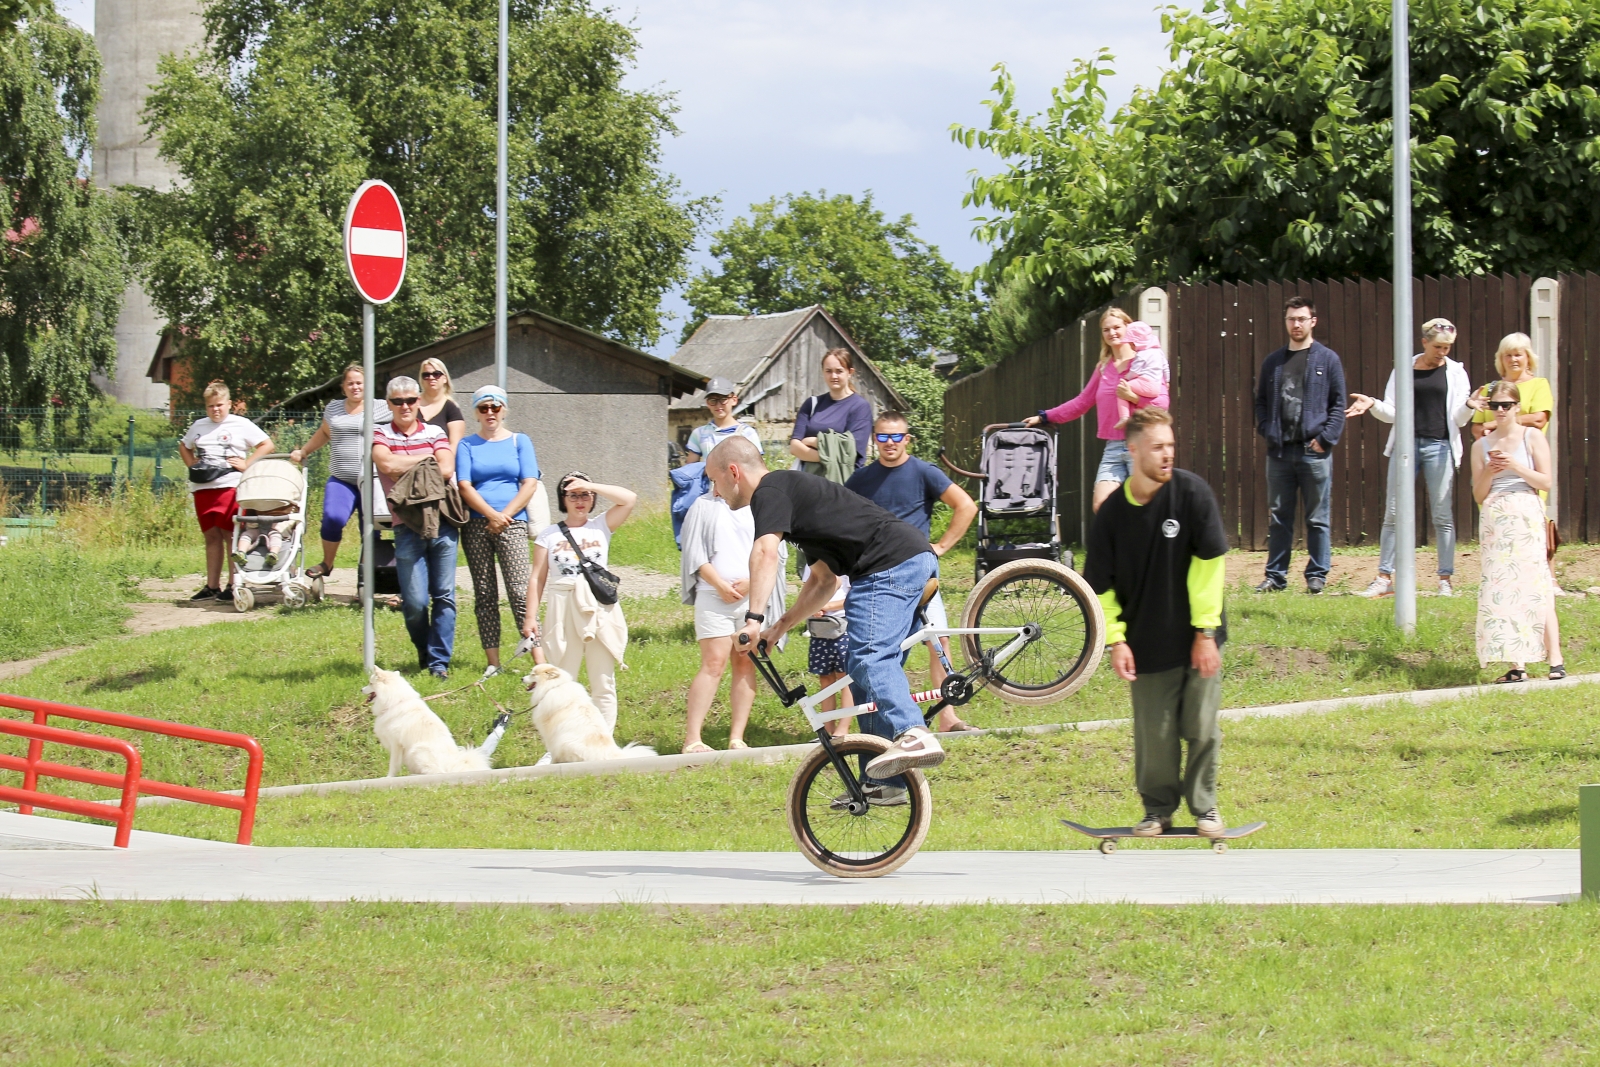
x=1589, y=840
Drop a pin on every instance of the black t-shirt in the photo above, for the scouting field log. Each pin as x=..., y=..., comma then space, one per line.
x=848, y=532
x=1429, y=388
x=1143, y=553
x=1293, y=396
x=451, y=412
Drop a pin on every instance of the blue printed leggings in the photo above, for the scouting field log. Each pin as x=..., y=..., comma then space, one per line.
x=340, y=500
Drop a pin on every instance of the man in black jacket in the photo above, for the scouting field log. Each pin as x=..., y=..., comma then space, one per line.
x=1300, y=402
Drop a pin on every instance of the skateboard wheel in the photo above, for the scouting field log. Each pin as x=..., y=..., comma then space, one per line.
x=1219, y=846
x=1107, y=846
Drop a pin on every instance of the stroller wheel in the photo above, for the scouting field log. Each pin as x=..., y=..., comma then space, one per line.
x=293, y=595
x=243, y=599
x=1061, y=604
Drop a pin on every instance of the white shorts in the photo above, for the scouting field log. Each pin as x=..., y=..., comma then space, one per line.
x=936, y=614
x=715, y=617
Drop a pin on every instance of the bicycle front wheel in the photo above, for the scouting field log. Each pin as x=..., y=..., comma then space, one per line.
x=1065, y=609
x=855, y=846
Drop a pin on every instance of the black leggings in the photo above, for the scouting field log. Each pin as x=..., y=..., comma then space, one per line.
x=481, y=547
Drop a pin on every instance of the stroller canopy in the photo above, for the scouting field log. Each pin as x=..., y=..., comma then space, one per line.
x=271, y=483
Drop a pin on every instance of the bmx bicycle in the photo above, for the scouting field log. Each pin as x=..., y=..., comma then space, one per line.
x=1032, y=632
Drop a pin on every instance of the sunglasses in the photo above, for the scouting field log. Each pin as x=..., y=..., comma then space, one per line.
x=1502, y=405
x=579, y=496
x=404, y=401
x=484, y=409
x=895, y=437
x=432, y=374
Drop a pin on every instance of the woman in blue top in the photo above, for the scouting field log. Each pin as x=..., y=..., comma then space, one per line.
x=498, y=475
x=840, y=409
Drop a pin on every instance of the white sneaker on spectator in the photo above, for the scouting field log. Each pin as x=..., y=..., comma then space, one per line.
x=1383, y=585
x=1445, y=588
x=490, y=671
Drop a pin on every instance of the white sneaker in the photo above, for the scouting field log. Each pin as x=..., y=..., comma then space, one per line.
x=1383, y=585
x=544, y=760
x=491, y=671
x=1445, y=588
x=1210, y=825
x=915, y=748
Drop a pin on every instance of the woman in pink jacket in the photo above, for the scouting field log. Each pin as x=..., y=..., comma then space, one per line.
x=1132, y=373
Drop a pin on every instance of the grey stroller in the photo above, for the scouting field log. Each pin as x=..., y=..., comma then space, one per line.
x=1016, y=496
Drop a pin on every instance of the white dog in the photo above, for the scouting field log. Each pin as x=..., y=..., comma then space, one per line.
x=571, y=726
x=415, y=736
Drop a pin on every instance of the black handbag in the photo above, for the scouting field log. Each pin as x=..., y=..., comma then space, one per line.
x=204, y=472
x=602, y=583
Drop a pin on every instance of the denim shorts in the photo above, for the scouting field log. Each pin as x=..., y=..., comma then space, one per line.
x=1115, y=464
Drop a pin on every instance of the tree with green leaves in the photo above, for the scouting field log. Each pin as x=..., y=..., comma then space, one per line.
x=1265, y=152
x=296, y=102
x=62, y=269
x=897, y=296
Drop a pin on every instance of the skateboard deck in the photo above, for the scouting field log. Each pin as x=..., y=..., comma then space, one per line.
x=1110, y=835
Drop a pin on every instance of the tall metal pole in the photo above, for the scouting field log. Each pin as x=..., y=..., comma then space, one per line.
x=1403, y=463
x=369, y=339
x=500, y=208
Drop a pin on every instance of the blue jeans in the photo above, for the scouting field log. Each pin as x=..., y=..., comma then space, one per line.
x=880, y=611
x=1438, y=467
x=1115, y=463
x=427, y=572
x=1305, y=476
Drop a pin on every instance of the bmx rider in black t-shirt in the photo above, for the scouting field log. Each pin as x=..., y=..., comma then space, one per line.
x=888, y=563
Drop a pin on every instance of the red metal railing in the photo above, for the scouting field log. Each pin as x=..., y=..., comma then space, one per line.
x=33, y=765
x=29, y=796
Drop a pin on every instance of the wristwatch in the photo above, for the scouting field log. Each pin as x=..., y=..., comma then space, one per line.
x=751, y=616
x=1206, y=631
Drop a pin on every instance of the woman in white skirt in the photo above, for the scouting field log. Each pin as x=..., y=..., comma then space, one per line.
x=1510, y=469
x=578, y=629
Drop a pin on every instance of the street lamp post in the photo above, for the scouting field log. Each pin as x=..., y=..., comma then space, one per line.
x=1403, y=463
x=500, y=207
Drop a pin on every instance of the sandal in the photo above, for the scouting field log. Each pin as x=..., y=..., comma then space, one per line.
x=1558, y=671
x=697, y=748
x=960, y=727
x=321, y=570
x=1513, y=675
x=735, y=745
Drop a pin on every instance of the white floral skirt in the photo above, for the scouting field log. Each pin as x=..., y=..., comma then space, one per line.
x=1514, y=595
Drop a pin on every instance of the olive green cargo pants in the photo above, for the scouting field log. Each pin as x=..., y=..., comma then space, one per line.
x=1169, y=709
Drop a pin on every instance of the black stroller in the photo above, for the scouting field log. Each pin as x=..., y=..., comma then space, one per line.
x=1016, y=496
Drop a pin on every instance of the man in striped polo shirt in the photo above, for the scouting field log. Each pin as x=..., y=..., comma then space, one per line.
x=426, y=566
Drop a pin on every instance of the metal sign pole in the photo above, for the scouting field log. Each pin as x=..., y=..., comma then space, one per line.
x=500, y=210
x=369, y=330
x=1403, y=474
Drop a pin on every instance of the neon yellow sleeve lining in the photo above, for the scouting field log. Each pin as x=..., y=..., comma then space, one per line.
x=1206, y=581
x=1116, y=629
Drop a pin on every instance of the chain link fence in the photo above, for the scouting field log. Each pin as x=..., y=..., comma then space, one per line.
x=51, y=455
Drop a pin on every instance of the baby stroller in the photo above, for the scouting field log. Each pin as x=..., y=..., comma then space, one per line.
x=268, y=544
x=1016, y=496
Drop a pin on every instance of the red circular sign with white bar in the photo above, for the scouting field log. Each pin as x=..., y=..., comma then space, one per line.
x=375, y=242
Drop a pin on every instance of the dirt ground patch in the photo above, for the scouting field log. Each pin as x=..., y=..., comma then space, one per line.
x=1577, y=569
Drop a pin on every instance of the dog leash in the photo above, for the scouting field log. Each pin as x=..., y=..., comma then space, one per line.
x=501, y=708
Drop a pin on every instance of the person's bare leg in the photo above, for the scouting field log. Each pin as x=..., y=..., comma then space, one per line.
x=714, y=653
x=493, y=656
x=948, y=718
x=1103, y=490
x=330, y=552
x=1552, y=637
x=838, y=727
x=741, y=696
x=216, y=553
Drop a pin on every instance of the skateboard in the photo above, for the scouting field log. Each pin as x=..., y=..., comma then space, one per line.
x=1109, y=836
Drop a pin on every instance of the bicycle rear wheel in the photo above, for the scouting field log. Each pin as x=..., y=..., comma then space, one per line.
x=855, y=846
x=1061, y=603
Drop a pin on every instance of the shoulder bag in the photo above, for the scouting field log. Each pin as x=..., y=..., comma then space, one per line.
x=602, y=583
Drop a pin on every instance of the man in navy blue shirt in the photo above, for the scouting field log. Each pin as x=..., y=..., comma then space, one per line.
x=908, y=488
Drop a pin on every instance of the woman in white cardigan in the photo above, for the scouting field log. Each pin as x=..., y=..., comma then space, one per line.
x=1444, y=404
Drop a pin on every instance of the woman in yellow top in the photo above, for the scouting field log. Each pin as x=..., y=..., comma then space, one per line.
x=1516, y=363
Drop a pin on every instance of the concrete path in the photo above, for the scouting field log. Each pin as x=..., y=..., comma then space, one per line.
x=157, y=867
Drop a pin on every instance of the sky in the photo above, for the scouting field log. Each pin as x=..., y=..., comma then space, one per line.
x=805, y=95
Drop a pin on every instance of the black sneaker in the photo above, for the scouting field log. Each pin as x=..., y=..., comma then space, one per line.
x=878, y=796
x=1269, y=586
x=440, y=673
x=1315, y=585
x=207, y=593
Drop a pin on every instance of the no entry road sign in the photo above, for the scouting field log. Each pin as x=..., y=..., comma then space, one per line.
x=375, y=242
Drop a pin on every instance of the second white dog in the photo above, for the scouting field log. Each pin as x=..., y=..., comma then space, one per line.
x=417, y=738
x=571, y=726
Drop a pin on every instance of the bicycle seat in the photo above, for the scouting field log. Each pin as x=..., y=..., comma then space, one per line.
x=929, y=591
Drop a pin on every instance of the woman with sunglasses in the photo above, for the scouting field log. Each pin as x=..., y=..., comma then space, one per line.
x=1516, y=606
x=439, y=407
x=578, y=629
x=498, y=473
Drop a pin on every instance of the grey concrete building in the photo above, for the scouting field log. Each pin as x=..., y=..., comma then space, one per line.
x=776, y=360
x=589, y=403
x=132, y=36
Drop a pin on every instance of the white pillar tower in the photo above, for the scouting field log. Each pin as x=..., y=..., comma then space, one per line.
x=132, y=36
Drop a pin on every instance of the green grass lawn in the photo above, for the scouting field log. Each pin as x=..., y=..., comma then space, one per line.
x=1467, y=774
x=361, y=984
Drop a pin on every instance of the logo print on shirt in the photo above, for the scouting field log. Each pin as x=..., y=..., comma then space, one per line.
x=1170, y=528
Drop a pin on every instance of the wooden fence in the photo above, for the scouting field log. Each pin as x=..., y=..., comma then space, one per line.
x=1217, y=336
